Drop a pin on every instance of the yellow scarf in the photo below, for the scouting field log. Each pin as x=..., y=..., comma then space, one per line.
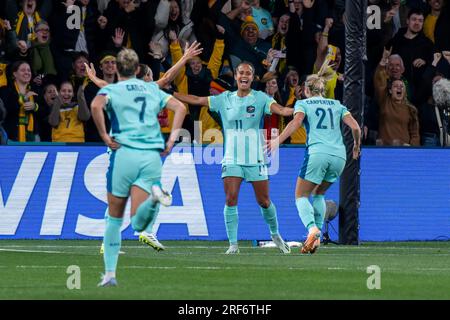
x=36, y=19
x=26, y=119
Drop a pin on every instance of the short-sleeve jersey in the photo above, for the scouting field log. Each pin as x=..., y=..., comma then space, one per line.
x=132, y=107
x=70, y=128
x=242, y=121
x=323, y=125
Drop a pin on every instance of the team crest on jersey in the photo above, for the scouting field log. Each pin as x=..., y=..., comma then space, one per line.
x=251, y=109
x=264, y=21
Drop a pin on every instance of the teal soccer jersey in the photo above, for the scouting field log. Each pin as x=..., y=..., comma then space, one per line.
x=133, y=106
x=323, y=125
x=241, y=122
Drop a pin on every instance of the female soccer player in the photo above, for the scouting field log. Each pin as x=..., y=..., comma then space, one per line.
x=135, y=143
x=241, y=112
x=325, y=155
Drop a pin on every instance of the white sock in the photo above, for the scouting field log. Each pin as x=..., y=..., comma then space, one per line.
x=110, y=274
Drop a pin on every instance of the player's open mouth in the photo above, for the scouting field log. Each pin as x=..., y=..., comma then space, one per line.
x=244, y=81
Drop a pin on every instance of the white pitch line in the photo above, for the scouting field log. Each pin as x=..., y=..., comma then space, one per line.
x=31, y=251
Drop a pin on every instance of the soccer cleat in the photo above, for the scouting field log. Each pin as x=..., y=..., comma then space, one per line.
x=107, y=282
x=102, y=249
x=162, y=196
x=151, y=240
x=316, y=246
x=233, y=249
x=309, y=244
x=281, y=244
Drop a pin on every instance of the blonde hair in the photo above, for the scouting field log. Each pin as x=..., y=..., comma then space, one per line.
x=127, y=62
x=315, y=84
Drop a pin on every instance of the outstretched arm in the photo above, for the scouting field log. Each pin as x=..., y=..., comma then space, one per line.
x=189, y=52
x=356, y=133
x=92, y=74
x=292, y=126
x=280, y=110
x=179, y=113
x=191, y=99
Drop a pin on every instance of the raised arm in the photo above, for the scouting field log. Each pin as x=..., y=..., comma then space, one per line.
x=322, y=47
x=280, y=110
x=179, y=113
x=83, y=109
x=356, y=133
x=54, y=117
x=189, y=52
x=91, y=73
x=191, y=99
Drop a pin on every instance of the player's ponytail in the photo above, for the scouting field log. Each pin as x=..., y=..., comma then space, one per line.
x=127, y=62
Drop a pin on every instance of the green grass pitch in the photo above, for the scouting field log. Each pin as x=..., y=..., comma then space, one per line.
x=31, y=269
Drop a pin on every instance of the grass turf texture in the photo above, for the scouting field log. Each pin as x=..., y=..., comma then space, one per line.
x=31, y=269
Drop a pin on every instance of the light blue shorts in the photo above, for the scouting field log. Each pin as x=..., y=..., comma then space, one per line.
x=318, y=167
x=128, y=167
x=248, y=173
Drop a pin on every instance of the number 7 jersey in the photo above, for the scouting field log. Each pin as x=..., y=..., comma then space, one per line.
x=323, y=125
x=132, y=107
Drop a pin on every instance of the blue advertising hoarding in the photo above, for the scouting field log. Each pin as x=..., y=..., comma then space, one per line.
x=58, y=192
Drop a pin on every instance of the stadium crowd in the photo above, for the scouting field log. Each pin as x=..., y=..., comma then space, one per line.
x=46, y=88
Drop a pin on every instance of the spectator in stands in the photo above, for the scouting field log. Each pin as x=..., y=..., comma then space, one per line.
x=170, y=18
x=7, y=44
x=279, y=43
x=125, y=15
x=27, y=17
x=241, y=38
x=50, y=92
x=90, y=36
x=430, y=118
x=272, y=123
x=442, y=28
x=108, y=70
x=3, y=136
x=41, y=56
x=78, y=75
x=195, y=79
x=398, y=119
x=67, y=117
x=431, y=19
x=21, y=108
x=413, y=46
x=329, y=55
x=263, y=19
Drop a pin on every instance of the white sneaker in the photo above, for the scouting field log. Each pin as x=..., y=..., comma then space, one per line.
x=107, y=282
x=151, y=240
x=233, y=249
x=162, y=196
x=281, y=244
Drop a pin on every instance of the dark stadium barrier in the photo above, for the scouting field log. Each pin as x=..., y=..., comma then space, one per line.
x=59, y=193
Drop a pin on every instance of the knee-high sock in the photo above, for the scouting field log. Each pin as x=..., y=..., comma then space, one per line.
x=270, y=217
x=145, y=214
x=112, y=241
x=149, y=228
x=231, y=223
x=319, y=206
x=305, y=211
